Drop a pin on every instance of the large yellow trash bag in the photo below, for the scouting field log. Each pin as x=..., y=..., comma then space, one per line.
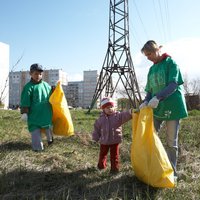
x=148, y=156
x=62, y=122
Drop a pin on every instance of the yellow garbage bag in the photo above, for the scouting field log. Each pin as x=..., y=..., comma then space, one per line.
x=148, y=156
x=62, y=121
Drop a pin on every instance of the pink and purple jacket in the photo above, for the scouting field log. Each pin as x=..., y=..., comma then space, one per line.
x=108, y=128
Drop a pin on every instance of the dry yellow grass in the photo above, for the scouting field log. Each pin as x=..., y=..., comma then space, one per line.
x=67, y=169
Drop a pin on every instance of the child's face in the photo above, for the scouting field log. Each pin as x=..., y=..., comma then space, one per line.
x=36, y=76
x=109, y=110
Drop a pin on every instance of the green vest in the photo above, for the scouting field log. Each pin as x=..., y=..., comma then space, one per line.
x=159, y=76
x=36, y=98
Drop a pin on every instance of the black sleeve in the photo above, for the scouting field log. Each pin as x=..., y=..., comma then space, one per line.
x=148, y=97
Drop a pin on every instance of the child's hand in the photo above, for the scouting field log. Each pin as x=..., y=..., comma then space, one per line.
x=24, y=117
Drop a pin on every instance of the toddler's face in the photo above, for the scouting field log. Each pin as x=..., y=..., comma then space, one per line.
x=109, y=110
x=36, y=76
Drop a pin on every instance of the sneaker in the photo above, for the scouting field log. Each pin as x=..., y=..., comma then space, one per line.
x=50, y=142
x=38, y=151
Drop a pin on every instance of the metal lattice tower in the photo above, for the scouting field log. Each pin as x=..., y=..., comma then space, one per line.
x=118, y=63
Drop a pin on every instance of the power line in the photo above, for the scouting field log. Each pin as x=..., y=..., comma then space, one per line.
x=160, y=9
x=156, y=17
x=141, y=19
x=162, y=20
x=167, y=18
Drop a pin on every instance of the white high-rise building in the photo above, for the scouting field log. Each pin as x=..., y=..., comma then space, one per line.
x=90, y=79
x=4, y=75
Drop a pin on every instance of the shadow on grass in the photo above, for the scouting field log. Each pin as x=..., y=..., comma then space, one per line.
x=15, y=146
x=85, y=184
x=125, y=188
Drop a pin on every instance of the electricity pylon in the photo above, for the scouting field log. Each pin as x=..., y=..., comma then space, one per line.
x=118, y=63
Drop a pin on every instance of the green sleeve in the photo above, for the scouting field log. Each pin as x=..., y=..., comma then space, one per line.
x=174, y=74
x=26, y=96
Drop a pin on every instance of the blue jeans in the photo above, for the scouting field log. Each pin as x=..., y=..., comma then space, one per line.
x=172, y=129
x=37, y=144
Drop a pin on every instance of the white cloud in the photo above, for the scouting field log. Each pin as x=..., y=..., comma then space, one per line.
x=186, y=54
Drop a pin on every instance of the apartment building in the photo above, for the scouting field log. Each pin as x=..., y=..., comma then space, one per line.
x=74, y=94
x=18, y=79
x=80, y=93
x=90, y=79
x=4, y=75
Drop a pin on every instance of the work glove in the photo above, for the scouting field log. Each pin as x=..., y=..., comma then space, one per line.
x=24, y=117
x=143, y=105
x=153, y=103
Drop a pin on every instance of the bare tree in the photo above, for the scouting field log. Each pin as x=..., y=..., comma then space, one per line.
x=195, y=86
x=121, y=92
x=3, y=95
x=192, y=93
x=192, y=87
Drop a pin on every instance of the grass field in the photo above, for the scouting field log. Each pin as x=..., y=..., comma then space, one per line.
x=67, y=169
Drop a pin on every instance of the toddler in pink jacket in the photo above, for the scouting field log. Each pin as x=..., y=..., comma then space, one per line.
x=108, y=132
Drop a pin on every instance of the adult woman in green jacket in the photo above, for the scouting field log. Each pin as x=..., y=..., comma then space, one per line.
x=164, y=93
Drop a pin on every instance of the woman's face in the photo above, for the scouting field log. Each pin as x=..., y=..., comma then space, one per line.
x=36, y=76
x=152, y=56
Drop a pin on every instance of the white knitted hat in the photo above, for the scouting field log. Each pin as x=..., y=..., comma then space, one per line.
x=107, y=101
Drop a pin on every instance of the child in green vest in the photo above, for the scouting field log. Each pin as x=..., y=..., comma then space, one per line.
x=35, y=107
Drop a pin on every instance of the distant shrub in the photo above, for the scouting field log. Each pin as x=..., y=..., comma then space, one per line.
x=194, y=112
